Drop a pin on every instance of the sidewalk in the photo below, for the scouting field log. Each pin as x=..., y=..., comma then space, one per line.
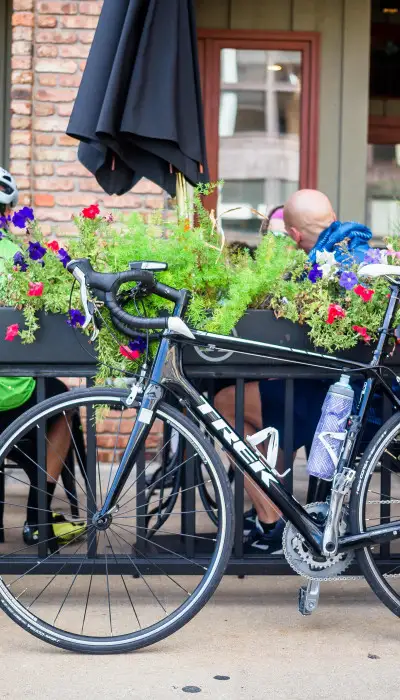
x=250, y=631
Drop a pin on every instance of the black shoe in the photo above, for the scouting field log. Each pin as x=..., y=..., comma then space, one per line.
x=30, y=534
x=265, y=543
x=249, y=521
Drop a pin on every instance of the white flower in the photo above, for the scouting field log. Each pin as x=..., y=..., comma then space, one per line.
x=327, y=263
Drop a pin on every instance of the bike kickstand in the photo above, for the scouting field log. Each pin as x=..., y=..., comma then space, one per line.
x=308, y=597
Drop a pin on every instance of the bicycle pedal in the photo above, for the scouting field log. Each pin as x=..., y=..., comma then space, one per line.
x=309, y=597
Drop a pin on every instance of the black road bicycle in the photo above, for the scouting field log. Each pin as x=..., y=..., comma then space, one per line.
x=116, y=590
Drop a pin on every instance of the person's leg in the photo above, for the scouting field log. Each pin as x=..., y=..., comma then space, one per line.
x=225, y=404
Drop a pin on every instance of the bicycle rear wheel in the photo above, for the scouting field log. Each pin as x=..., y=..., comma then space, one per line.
x=122, y=588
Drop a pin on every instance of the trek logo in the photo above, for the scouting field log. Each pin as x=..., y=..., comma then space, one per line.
x=230, y=437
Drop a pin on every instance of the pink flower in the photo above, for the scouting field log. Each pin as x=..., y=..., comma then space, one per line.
x=91, y=212
x=362, y=332
x=335, y=311
x=54, y=246
x=127, y=352
x=11, y=332
x=363, y=292
x=35, y=289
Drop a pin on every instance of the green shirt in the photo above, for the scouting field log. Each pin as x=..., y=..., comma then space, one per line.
x=14, y=391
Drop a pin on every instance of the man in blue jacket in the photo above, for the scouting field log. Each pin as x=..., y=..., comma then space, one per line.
x=312, y=224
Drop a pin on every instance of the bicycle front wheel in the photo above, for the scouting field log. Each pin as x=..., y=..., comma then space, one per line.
x=123, y=587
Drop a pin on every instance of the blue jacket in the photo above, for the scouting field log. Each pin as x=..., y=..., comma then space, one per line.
x=356, y=236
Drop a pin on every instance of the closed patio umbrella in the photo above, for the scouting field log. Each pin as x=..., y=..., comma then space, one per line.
x=138, y=112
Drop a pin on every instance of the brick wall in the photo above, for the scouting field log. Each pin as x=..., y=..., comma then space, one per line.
x=50, y=44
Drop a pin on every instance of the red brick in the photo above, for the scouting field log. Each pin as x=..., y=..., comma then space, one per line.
x=20, y=167
x=61, y=184
x=56, y=66
x=46, y=51
x=82, y=65
x=63, y=155
x=87, y=36
x=80, y=22
x=154, y=202
x=48, y=80
x=57, y=8
x=22, y=5
x=18, y=122
x=47, y=22
x=44, y=200
x=58, y=215
x=20, y=77
x=44, y=139
x=73, y=170
x=44, y=109
x=65, y=110
x=74, y=200
x=23, y=138
x=43, y=169
x=90, y=8
x=20, y=152
x=128, y=201
x=22, y=19
x=70, y=80
x=21, y=62
x=20, y=107
x=51, y=124
x=87, y=185
x=59, y=37
x=21, y=48
x=77, y=51
x=65, y=140
x=58, y=95
x=24, y=183
x=25, y=200
x=146, y=187
x=21, y=93
x=22, y=34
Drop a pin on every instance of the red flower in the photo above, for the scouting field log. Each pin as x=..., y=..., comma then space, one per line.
x=35, y=289
x=335, y=311
x=54, y=246
x=91, y=212
x=362, y=332
x=127, y=352
x=12, y=331
x=363, y=292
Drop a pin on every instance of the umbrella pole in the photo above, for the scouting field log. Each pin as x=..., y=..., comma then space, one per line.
x=184, y=198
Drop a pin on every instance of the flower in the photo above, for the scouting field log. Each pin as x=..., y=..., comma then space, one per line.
x=21, y=216
x=327, y=263
x=35, y=289
x=335, y=311
x=12, y=332
x=110, y=219
x=363, y=292
x=139, y=345
x=130, y=354
x=362, y=331
x=91, y=212
x=314, y=273
x=374, y=255
x=348, y=280
x=3, y=224
x=19, y=261
x=63, y=257
x=36, y=251
x=54, y=246
x=392, y=252
x=76, y=318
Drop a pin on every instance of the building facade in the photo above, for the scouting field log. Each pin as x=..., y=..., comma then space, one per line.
x=287, y=98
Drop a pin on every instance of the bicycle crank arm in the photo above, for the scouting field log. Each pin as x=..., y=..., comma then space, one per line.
x=374, y=535
x=341, y=487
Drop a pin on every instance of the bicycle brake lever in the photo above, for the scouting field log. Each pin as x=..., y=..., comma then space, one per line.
x=89, y=312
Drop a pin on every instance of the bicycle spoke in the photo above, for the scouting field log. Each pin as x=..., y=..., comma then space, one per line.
x=36, y=488
x=108, y=589
x=67, y=593
x=123, y=581
x=53, y=577
x=72, y=475
x=180, y=534
x=88, y=594
x=143, y=470
x=150, y=503
x=83, y=469
x=114, y=452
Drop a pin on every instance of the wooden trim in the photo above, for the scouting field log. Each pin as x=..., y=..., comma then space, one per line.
x=384, y=130
x=309, y=44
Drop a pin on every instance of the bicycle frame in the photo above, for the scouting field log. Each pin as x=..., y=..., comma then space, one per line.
x=168, y=375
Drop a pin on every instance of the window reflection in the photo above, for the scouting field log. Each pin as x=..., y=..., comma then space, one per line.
x=259, y=130
x=383, y=189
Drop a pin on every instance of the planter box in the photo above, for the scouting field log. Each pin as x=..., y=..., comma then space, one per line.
x=56, y=342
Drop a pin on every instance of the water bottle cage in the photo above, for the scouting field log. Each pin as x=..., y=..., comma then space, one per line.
x=337, y=436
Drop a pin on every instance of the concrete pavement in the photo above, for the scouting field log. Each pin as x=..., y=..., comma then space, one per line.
x=250, y=631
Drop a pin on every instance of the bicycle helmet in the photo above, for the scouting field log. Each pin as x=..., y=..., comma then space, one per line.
x=8, y=189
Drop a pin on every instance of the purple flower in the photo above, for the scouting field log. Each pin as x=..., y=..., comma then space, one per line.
x=3, y=224
x=63, y=256
x=20, y=261
x=315, y=273
x=139, y=344
x=373, y=256
x=21, y=216
x=76, y=318
x=348, y=280
x=36, y=251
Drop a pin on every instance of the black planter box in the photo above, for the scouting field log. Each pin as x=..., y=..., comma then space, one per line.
x=56, y=342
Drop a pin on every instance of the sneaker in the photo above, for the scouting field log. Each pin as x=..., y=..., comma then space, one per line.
x=249, y=521
x=65, y=530
x=265, y=543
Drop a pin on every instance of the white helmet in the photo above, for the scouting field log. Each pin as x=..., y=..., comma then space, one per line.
x=8, y=189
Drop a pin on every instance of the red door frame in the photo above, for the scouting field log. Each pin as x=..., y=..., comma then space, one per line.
x=211, y=41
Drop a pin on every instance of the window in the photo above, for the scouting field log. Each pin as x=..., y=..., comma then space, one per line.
x=260, y=99
x=383, y=189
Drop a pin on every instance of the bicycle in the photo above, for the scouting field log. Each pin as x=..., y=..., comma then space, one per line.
x=111, y=581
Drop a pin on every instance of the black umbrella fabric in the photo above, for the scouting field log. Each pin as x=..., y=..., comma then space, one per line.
x=138, y=112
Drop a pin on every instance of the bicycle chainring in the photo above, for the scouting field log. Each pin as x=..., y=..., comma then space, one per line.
x=302, y=560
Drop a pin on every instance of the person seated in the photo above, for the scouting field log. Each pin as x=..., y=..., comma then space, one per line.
x=311, y=222
x=18, y=394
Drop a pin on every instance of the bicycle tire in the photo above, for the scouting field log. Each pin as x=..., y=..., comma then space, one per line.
x=201, y=594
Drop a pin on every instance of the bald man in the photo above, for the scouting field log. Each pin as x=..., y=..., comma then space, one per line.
x=312, y=223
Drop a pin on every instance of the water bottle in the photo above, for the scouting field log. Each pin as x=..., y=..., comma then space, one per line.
x=331, y=430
